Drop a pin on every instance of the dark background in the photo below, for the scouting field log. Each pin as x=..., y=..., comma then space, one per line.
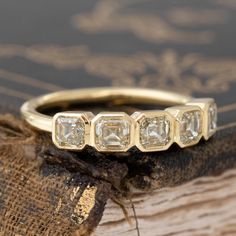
x=185, y=46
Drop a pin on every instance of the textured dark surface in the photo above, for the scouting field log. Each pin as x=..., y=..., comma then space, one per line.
x=188, y=46
x=46, y=191
x=39, y=194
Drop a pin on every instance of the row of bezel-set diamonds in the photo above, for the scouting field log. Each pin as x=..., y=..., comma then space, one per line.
x=147, y=130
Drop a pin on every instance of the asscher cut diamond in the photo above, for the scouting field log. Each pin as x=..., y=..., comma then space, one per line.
x=112, y=133
x=70, y=132
x=212, y=118
x=154, y=132
x=190, y=126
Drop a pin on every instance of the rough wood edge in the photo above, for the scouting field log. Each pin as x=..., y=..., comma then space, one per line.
x=205, y=206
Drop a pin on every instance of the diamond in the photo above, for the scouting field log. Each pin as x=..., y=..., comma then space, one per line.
x=70, y=132
x=190, y=126
x=154, y=132
x=112, y=133
x=209, y=108
x=212, y=118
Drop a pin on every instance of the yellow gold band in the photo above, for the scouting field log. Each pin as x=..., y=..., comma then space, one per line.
x=116, y=131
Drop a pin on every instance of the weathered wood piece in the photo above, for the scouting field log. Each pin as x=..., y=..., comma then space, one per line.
x=205, y=206
x=46, y=191
x=176, y=166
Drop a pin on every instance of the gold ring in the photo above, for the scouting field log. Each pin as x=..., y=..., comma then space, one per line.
x=185, y=122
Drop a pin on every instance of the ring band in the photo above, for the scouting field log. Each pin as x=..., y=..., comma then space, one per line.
x=185, y=122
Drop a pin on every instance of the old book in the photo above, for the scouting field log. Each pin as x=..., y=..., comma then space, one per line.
x=186, y=47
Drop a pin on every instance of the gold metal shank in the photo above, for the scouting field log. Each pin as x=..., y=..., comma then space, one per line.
x=153, y=130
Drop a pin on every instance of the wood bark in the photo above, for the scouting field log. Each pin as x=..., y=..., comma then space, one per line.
x=46, y=191
x=205, y=206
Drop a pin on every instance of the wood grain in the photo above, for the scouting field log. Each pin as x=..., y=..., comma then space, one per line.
x=169, y=193
x=205, y=206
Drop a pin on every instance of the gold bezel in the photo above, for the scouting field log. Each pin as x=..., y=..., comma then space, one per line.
x=85, y=117
x=33, y=115
x=140, y=116
x=117, y=115
x=177, y=112
x=204, y=104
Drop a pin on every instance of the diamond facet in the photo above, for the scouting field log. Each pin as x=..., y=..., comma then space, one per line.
x=190, y=126
x=112, y=133
x=70, y=132
x=209, y=108
x=212, y=118
x=154, y=132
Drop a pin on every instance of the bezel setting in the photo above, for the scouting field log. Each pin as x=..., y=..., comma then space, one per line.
x=184, y=124
x=209, y=108
x=71, y=130
x=149, y=131
x=188, y=124
x=112, y=132
x=154, y=130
